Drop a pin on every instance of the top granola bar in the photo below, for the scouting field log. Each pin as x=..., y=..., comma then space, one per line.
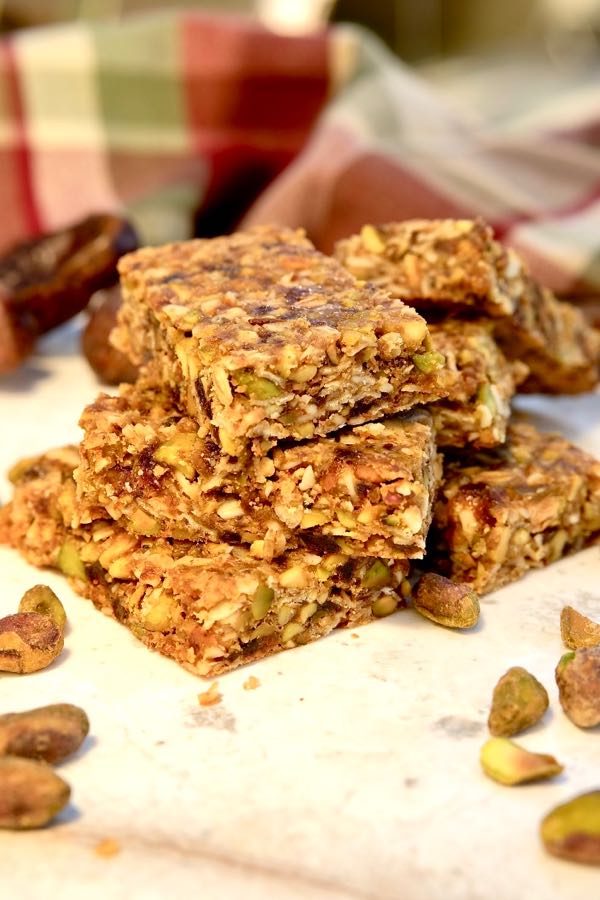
x=268, y=339
x=450, y=262
x=456, y=266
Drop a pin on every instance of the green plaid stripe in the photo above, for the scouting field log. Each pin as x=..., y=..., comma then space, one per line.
x=140, y=84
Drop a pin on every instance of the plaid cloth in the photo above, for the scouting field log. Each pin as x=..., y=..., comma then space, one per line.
x=188, y=121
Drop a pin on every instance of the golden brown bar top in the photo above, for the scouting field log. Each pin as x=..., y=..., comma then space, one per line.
x=271, y=340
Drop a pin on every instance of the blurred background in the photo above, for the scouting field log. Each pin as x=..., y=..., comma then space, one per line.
x=491, y=57
x=417, y=30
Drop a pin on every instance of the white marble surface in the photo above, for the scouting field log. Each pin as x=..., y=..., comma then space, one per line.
x=352, y=771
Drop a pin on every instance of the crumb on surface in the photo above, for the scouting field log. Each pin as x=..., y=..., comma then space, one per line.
x=211, y=696
x=107, y=848
x=354, y=635
x=251, y=683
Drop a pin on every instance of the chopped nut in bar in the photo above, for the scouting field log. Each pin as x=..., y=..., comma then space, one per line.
x=455, y=266
x=517, y=507
x=477, y=408
x=267, y=339
x=212, y=606
x=367, y=491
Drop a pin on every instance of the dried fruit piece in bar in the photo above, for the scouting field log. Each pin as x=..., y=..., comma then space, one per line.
x=455, y=266
x=267, y=339
x=210, y=606
x=366, y=490
x=517, y=507
x=49, y=279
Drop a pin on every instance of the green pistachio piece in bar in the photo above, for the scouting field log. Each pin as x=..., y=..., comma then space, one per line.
x=346, y=518
x=519, y=701
x=485, y=395
x=69, y=562
x=429, y=362
x=384, y=605
x=509, y=763
x=377, y=576
x=261, y=602
x=572, y=830
x=257, y=387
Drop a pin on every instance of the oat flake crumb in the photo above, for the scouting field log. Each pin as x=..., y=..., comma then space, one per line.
x=251, y=683
x=211, y=696
x=107, y=848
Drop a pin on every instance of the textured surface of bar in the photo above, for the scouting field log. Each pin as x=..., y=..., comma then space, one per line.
x=517, y=507
x=368, y=489
x=477, y=408
x=456, y=266
x=268, y=339
x=211, y=607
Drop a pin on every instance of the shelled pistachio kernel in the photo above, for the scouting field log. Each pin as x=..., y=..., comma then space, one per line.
x=261, y=601
x=50, y=733
x=257, y=387
x=577, y=630
x=69, y=561
x=42, y=599
x=578, y=679
x=446, y=602
x=31, y=793
x=28, y=642
x=519, y=701
x=572, y=830
x=509, y=763
x=378, y=575
x=429, y=362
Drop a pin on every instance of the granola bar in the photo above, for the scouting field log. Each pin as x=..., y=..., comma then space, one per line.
x=456, y=266
x=369, y=490
x=266, y=339
x=211, y=607
x=477, y=408
x=520, y=506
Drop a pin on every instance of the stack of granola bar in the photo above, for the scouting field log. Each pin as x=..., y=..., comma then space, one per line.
x=527, y=498
x=274, y=469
